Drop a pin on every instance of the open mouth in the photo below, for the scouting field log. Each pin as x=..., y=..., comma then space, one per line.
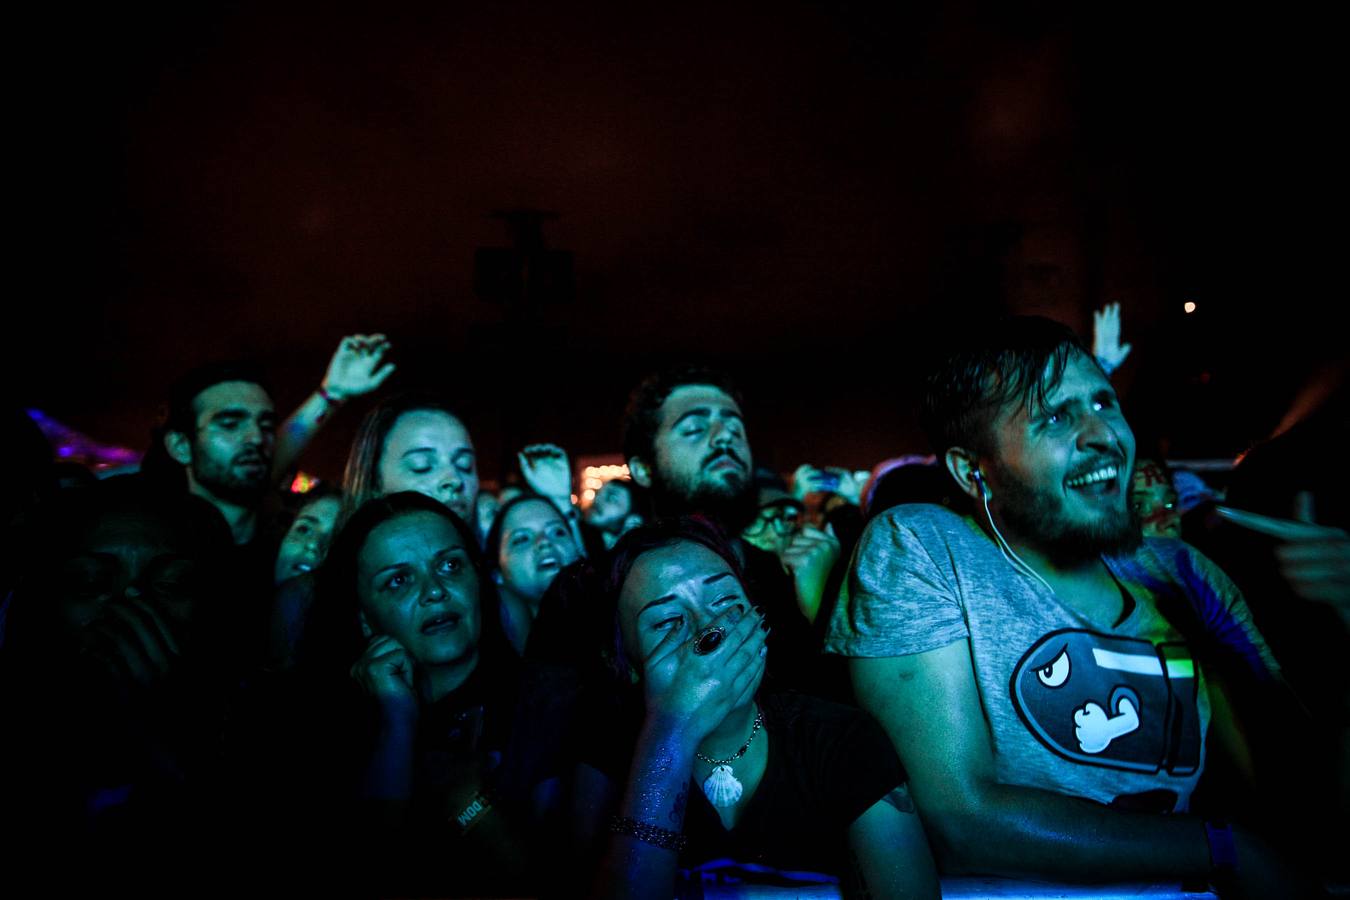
x=549, y=564
x=1099, y=481
x=438, y=624
x=303, y=567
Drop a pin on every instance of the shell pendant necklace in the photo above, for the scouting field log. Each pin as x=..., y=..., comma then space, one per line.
x=721, y=787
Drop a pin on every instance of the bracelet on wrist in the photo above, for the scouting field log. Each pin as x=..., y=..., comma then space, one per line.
x=329, y=398
x=648, y=834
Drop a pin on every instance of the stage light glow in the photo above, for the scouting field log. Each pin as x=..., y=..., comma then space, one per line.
x=1189, y=306
x=594, y=477
x=303, y=483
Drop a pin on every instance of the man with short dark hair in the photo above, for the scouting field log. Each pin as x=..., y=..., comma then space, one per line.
x=1038, y=663
x=220, y=435
x=684, y=439
x=221, y=430
x=220, y=441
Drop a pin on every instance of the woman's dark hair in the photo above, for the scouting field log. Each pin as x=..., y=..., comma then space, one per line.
x=334, y=640
x=492, y=547
x=989, y=368
x=361, y=478
x=642, y=540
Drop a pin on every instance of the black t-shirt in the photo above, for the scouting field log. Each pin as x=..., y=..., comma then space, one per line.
x=827, y=765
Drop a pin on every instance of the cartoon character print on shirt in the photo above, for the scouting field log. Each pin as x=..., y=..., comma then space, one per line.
x=1104, y=700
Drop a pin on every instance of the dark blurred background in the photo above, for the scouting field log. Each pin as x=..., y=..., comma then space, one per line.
x=803, y=193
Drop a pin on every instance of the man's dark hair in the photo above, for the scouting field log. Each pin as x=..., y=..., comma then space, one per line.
x=178, y=415
x=643, y=415
x=986, y=370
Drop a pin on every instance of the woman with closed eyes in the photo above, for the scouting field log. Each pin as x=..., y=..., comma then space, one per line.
x=719, y=771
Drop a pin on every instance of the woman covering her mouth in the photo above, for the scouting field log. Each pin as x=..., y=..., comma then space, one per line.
x=417, y=687
x=701, y=769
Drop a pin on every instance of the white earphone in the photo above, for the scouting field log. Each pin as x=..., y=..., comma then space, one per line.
x=1003, y=545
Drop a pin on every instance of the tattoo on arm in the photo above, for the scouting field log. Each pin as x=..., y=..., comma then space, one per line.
x=900, y=799
x=677, y=811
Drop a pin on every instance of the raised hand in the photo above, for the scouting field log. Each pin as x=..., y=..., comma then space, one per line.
x=697, y=690
x=356, y=368
x=547, y=471
x=1106, y=345
x=808, y=558
x=809, y=479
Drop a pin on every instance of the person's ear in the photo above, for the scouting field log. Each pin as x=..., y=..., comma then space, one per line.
x=366, y=631
x=641, y=472
x=965, y=468
x=497, y=577
x=179, y=447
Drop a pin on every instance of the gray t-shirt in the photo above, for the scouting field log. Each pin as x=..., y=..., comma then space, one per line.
x=1110, y=714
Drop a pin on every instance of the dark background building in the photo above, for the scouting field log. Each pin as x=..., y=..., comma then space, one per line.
x=804, y=193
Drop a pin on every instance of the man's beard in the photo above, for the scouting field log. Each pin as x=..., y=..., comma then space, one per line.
x=1043, y=518
x=731, y=506
x=232, y=484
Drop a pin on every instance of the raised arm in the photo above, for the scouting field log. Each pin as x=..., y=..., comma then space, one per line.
x=548, y=473
x=357, y=368
x=929, y=705
x=1106, y=345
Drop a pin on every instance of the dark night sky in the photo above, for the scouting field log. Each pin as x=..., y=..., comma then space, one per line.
x=801, y=192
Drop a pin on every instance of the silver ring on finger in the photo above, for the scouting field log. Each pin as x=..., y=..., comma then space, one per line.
x=709, y=639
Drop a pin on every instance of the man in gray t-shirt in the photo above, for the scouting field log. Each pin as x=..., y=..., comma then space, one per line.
x=1116, y=712
x=1035, y=664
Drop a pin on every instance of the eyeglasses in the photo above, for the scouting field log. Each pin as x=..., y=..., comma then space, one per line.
x=781, y=517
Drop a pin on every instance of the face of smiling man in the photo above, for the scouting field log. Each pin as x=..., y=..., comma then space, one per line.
x=1059, y=479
